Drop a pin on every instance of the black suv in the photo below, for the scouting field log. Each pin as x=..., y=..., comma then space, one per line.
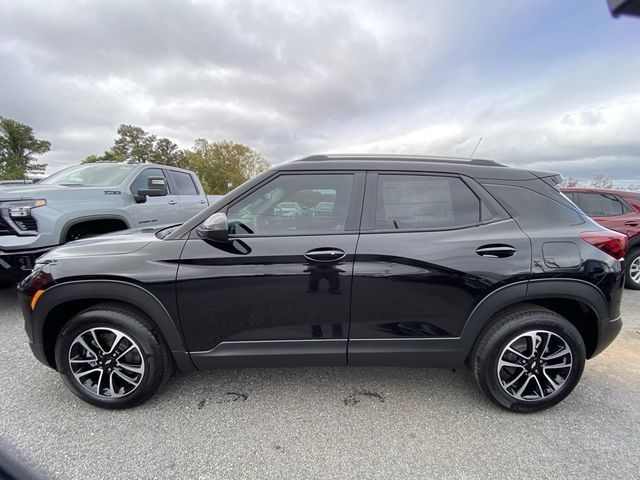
x=341, y=260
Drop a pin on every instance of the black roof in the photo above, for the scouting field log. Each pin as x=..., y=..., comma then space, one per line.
x=475, y=168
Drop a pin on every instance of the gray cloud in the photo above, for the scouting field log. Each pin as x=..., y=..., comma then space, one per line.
x=294, y=78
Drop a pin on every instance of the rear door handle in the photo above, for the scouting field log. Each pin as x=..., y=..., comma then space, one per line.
x=325, y=254
x=173, y=202
x=496, y=251
x=631, y=224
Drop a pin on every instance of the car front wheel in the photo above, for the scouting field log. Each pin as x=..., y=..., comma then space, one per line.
x=529, y=359
x=110, y=356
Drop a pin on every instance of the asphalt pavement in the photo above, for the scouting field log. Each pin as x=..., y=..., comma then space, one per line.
x=323, y=422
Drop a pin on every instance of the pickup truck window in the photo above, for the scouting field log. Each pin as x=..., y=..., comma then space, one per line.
x=91, y=175
x=183, y=183
x=142, y=180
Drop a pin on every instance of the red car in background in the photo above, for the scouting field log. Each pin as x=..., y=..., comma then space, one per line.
x=617, y=210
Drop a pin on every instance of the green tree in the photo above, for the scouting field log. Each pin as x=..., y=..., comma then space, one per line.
x=107, y=156
x=18, y=145
x=165, y=152
x=224, y=165
x=134, y=143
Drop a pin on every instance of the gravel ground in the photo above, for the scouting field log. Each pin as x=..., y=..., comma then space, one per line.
x=323, y=422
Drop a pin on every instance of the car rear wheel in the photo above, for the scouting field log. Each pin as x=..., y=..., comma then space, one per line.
x=632, y=269
x=529, y=359
x=110, y=356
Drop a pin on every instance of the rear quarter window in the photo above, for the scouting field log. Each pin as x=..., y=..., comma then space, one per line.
x=532, y=209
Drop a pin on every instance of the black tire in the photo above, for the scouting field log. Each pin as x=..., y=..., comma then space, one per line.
x=507, y=328
x=629, y=282
x=152, y=353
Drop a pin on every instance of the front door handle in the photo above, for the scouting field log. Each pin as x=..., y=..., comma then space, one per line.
x=325, y=254
x=496, y=251
x=631, y=224
x=173, y=202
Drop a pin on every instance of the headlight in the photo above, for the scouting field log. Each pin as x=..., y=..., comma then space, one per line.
x=23, y=209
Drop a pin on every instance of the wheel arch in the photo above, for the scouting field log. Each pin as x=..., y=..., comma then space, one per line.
x=88, y=219
x=580, y=302
x=61, y=302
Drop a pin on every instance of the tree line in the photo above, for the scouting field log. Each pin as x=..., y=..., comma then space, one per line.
x=221, y=165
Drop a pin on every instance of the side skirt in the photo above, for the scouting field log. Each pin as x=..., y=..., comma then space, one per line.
x=273, y=353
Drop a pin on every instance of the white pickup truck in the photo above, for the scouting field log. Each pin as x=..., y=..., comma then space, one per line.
x=91, y=199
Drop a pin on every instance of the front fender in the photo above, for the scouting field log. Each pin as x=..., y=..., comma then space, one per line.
x=112, y=290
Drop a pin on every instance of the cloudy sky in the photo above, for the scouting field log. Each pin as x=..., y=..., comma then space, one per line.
x=548, y=84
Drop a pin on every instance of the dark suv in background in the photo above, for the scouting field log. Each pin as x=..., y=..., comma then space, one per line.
x=341, y=260
x=617, y=210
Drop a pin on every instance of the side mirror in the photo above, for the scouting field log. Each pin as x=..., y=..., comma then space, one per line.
x=156, y=187
x=215, y=228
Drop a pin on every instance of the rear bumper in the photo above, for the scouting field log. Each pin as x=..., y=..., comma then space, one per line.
x=607, y=333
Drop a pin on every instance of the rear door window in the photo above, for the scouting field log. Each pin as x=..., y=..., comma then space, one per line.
x=410, y=202
x=600, y=204
x=183, y=183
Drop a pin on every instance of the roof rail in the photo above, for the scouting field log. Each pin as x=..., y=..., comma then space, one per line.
x=410, y=158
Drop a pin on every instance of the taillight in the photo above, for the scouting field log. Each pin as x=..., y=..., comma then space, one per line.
x=611, y=243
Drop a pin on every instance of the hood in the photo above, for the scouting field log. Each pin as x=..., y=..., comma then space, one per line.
x=25, y=192
x=117, y=243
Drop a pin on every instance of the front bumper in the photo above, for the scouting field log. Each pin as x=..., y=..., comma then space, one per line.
x=33, y=334
x=15, y=265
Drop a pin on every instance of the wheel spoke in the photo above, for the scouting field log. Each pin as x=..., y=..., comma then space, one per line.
x=504, y=363
x=131, y=368
x=559, y=365
x=116, y=341
x=564, y=351
x=540, y=389
x=86, y=346
x=125, y=378
x=99, y=390
x=521, y=390
x=93, y=370
x=553, y=384
x=515, y=352
x=112, y=390
x=516, y=378
x=95, y=339
x=82, y=360
x=125, y=352
x=533, y=338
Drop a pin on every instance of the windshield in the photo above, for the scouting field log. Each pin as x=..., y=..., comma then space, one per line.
x=95, y=175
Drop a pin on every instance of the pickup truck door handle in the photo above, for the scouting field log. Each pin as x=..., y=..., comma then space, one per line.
x=325, y=255
x=173, y=202
x=496, y=251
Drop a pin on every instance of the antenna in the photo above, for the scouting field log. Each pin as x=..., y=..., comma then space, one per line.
x=474, y=150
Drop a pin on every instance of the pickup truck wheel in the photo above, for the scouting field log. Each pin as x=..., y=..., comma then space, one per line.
x=529, y=359
x=632, y=270
x=110, y=357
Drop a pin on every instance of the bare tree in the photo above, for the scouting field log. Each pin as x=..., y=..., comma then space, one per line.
x=570, y=182
x=601, y=181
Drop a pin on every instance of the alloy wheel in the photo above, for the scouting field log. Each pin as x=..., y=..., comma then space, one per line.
x=634, y=270
x=535, y=365
x=106, y=362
